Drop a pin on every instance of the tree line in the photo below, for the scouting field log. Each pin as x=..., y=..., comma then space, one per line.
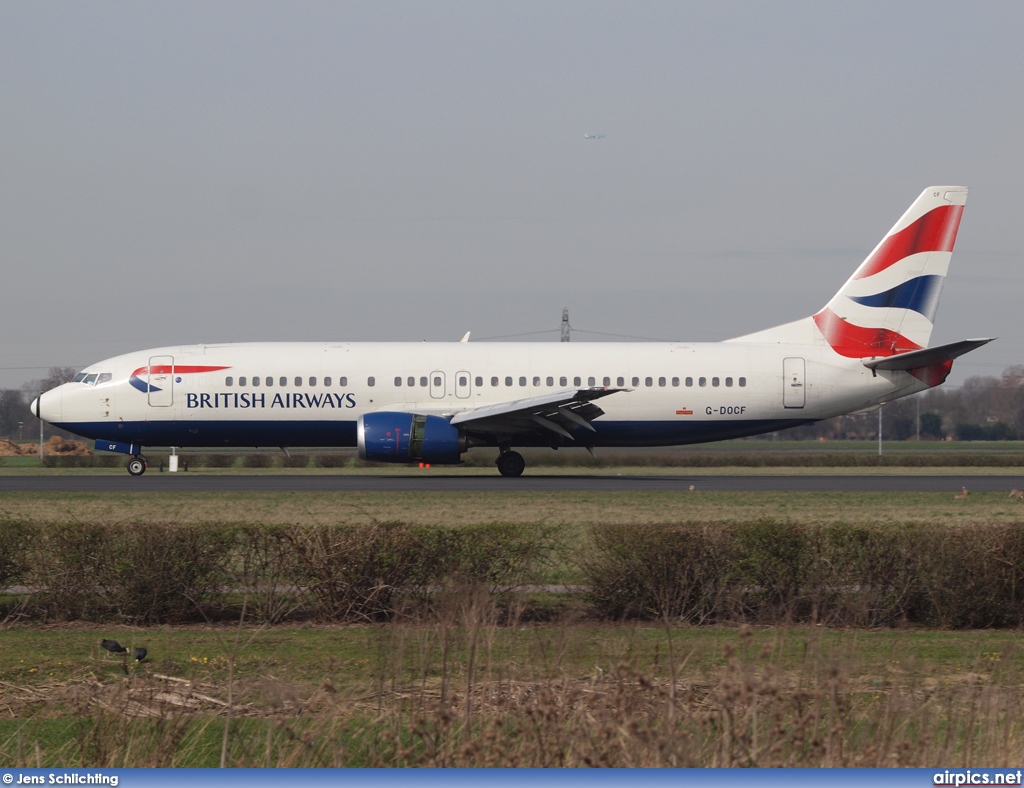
x=985, y=408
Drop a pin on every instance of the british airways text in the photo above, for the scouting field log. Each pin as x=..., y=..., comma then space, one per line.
x=286, y=400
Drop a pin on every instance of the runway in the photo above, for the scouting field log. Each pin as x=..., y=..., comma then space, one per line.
x=197, y=483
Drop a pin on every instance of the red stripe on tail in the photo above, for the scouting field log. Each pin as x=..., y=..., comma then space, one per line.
x=853, y=341
x=933, y=232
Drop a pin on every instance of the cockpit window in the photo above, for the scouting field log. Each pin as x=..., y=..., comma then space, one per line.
x=78, y=378
x=90, y=379
x=103, y=378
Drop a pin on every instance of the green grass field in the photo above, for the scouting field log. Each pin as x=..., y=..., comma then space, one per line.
x=570, y=509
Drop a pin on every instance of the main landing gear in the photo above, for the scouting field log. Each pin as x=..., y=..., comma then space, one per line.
x=137, y=465
x=510, y=463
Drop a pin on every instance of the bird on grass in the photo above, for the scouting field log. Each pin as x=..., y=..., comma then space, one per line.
x=113, y=647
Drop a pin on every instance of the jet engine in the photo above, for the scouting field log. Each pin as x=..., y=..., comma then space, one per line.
x=409, y=437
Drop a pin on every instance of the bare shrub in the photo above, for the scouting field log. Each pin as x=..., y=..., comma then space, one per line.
x=265, y=569
x=67, y=563
x=659, y=571
x=973, y=578
x=216, y=460
x=354, y=573
x=165, y=572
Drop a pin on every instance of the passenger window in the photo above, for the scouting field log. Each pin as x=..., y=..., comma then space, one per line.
x=269, y=381
x=398, y=382
x=648, y=381
x=282, y=381
x=550, y=381
x=479, y=381
x=675, y=382
x=256, y=380
x=743, y=382
x=606, y=382
x=591, y=381
x=103, y=378
x=343, y=381
x=463, y=381
x=494, y=380
x=563, y=381
x=312, y=381
x=522, y=380
x=410, y=381
x=728, y=381
x=620, y=381
x=229, y=381
x=636, y=382
x=577, y=381
x=241, y=381
x=661, y=381
x=423, y=381
x=371, y=381
x=298, y=381
x=508, y=381
x=702, y=382
x=536, y=380
x=437, y=382
x=714, y=381
x=689, y=381
x=327, y=381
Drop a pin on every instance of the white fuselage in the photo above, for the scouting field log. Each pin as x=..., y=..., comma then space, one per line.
x=312, y=394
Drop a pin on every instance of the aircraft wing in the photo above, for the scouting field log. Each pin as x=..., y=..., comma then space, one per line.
x=558, y=413
x=915, y=359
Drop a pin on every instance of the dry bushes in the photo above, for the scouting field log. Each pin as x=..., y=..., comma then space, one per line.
x=763, y=571
x=775, y=572
x=169, y=573
x=151, y=573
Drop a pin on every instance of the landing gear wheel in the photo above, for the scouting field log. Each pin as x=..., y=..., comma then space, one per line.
x=137, y=466
x=511, y=463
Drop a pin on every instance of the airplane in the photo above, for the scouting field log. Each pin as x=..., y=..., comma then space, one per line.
x=429, y=402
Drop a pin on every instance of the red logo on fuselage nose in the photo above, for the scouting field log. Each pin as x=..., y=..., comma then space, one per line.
x=164, y=369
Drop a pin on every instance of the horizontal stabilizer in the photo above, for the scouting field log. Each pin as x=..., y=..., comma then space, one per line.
x=926, y=357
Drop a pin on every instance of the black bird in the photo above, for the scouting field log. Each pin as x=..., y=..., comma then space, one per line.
x=140, y=653
x=113, y=647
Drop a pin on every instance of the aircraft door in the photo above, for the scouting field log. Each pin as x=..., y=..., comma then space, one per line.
x=463, y=385
x=793, y=389
x=437, y=387
x=160, y=381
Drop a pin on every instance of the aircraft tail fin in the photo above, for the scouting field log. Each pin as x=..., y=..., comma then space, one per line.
x=888, y=306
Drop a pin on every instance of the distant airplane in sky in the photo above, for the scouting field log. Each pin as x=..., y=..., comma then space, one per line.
x=594, y=136
x=429, y=402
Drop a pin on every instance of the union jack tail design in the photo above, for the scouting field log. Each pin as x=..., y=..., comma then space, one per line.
x=888, y=306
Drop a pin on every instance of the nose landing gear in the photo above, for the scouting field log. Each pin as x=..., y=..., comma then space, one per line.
x=137, y=465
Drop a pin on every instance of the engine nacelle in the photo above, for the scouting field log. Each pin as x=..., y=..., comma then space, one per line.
x=409, y=437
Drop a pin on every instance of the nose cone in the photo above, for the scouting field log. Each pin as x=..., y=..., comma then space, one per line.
x=47, y=406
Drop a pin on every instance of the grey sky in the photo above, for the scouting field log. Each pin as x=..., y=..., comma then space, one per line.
x=186, y=172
